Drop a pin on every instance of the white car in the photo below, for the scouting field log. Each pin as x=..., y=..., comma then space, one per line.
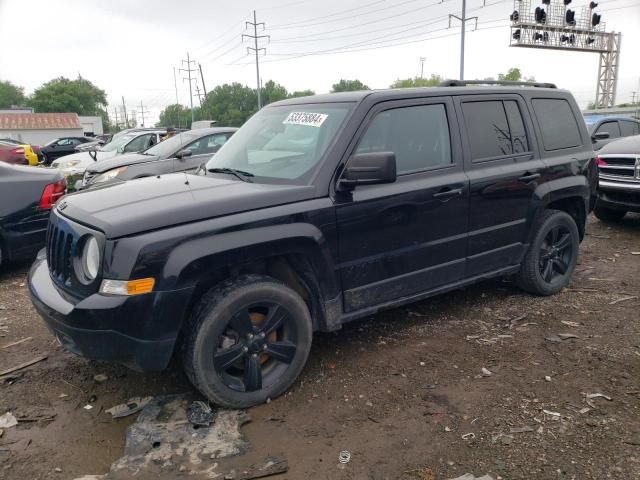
x=137, y=141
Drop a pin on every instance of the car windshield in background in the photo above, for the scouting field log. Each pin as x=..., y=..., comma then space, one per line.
x=118, y=142
x=283, y=143
x=171, y=145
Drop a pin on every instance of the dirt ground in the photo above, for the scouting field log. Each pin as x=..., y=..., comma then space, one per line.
x=467, y=382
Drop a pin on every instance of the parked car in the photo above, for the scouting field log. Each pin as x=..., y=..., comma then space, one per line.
x=17, y=153
x=604, y=129
x=318, y=211
x=94, y=145
x=73, y=166
x=61, y=147
x=182, y=152
x=619, y=179
x=203, y=124
x=26, y=198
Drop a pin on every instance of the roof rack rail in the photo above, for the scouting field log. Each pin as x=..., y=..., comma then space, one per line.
x=464, y=83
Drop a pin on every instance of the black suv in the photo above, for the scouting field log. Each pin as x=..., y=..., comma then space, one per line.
x=318, y=211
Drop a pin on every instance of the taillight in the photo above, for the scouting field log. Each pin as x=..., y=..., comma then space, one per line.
x=18, y=151
x=52, y=193
x=600, y=162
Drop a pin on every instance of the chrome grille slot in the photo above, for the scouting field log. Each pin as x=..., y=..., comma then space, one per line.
x=59, y=246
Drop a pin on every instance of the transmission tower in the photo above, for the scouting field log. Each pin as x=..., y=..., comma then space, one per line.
x=188, y=70
x=256, y=50
x=554, y=26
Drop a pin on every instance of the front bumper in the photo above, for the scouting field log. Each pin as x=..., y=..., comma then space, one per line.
x=137, y=331
x=619, y=196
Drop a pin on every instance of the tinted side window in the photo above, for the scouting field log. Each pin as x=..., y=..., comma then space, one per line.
x=611, y=128
x=516, y=126
x=487, y=129
x=628, y=128
x=557, y=123
x=419, y=136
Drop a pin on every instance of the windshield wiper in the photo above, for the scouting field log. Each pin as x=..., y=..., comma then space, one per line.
x=241, y=174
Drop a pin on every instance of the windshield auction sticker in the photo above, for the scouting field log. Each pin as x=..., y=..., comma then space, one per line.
x=305, y=118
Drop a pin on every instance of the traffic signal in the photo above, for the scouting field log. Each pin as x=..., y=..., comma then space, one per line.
x=515, y=16
x=540, y=15
x=570, y=38
x=570, y=17
x=590, y=40
x=516, y=34
x=595, y=19
x=541, y=36
x=593, y=5
x=546, y=2
x=566, y=2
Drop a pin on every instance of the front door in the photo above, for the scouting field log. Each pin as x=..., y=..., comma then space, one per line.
x=398, y=240
x=504, y=169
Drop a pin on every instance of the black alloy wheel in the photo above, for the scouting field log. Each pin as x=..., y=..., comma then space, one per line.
x=556, y=253
x=258, y=344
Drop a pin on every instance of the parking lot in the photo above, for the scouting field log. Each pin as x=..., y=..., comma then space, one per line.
x=486, y=380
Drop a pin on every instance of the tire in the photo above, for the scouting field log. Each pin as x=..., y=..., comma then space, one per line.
x=552, y=256
x=605, y=214
x=247, y=341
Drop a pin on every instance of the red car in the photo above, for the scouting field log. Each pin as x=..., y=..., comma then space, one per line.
x=11, y=153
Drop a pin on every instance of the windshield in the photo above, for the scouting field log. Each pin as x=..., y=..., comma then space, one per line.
x=283, y=143
x=115, y=144
x=171, y=145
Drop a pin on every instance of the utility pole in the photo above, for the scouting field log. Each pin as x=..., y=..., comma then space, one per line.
x=115, y=112
x=175, y=84
x=422, y=60
x=204, y=88
x=188, y=61
x=256, y=50
x=142, y=113
x=124, y=110
x=199, y=95
x=463, y=23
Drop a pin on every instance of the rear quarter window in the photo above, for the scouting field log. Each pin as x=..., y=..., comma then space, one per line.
x=557, y=123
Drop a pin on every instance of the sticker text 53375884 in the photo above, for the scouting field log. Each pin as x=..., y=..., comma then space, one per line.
x=305, y=118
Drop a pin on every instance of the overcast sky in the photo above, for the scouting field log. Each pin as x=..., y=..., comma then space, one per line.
x=130, y=47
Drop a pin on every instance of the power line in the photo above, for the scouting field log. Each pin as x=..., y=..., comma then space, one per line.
x=142, y=113
x=256, y=50
x=342, y=12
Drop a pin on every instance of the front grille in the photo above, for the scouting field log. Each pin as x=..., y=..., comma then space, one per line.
x=626, y=172
x=620, y=168
x=624, y=161
x=59, y=245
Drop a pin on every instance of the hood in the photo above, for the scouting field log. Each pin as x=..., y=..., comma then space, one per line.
x=624, y=146
x=81, y=159
x=119, y=161
x=160, y=202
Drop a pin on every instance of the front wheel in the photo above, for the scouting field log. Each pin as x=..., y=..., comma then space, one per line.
x=552, y=256
x=247, y=341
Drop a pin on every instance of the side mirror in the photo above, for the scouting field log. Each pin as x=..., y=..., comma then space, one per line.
x=368, y=169
x=184, y=153
x=600, y=136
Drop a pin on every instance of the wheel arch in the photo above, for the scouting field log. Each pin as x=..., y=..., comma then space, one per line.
x=568, y=194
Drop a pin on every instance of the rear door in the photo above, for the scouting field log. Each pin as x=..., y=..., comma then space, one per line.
x=398, y=240
x=504, y=169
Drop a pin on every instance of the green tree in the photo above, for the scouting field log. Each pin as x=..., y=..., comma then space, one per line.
x=348, y=86
x=301, y=93
x=432, y=81
x=64, y=95
x=273, y=92
x=232, y=104
x=515, y=75
x=176, y=115
x=11, y=95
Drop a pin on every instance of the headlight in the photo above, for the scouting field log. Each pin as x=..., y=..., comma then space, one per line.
x=68, y=164
x=110, y=175
x=90, y=258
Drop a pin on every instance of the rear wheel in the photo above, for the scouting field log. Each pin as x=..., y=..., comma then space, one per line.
x=247, y=341
x=608, y=214
x=552, y=256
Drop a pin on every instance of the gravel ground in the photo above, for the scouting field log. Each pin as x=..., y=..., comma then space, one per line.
x=486, y=380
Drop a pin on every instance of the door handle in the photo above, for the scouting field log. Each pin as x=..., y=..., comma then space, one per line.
x=446, y=194
x=529, y=177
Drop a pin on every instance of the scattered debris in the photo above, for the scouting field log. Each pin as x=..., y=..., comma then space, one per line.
x=88, y=407
x=623, y=299
x=486, y=372
x=591, y=396
x=57, y=470
x=553, y=415
x=547, y=378
x=100, y=377
x=570, y=324
x=421, y=473
x=520, y=429
x=447, y=429
x=635, y=253
x=514, y=321
x=23, y=365
x=584, y=410
x=469, y=436
x=201, y=414
x=8, y=420
x=133, y=405
x=16, y=343
x=344, y=457
x=560, y=337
